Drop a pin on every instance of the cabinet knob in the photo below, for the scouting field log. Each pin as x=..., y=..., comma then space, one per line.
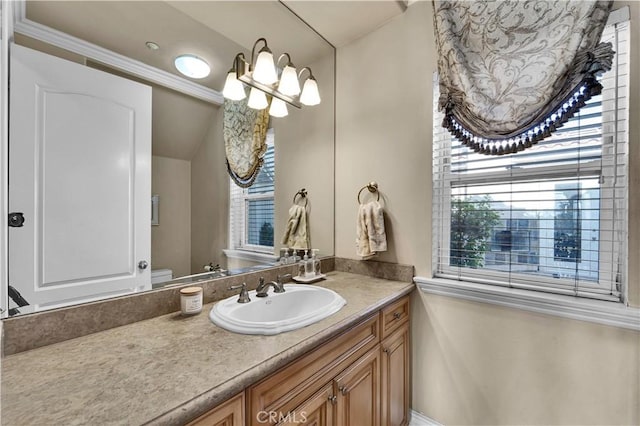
x=397, y=315
x=343, y=390
x=333, y=399
x=385, y=350
x=143, y=264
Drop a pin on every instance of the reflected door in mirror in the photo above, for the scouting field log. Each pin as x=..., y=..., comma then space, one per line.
x=80, y=154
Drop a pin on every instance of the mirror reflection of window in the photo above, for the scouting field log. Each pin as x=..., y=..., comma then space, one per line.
x=252, y=209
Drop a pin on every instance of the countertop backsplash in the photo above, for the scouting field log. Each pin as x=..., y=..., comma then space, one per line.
x=44, y=328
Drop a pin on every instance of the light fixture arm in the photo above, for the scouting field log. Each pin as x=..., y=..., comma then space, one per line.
x=310, y=73
x=239, y=64
x=253, y=50
x=289, y=63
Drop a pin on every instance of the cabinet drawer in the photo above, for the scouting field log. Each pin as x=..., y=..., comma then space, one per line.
x=287, y=388
x=394, y=315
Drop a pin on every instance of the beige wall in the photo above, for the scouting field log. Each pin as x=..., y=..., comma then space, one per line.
x=472, y=363
x=304, y=143
x=171, y=239
x=210, y=199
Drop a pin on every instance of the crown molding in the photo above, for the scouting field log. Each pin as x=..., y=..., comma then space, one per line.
x=104, y=56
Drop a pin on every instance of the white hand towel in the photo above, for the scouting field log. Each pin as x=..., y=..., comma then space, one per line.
x=371, y=236
x=296, y=234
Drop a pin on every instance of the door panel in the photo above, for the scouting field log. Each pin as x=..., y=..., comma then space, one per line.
x=395, y=378
x=80, y=171
x=358, y=392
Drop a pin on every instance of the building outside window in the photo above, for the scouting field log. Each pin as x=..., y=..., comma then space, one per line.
x=552, y=218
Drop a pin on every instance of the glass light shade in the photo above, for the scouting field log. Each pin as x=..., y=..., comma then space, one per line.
x=265, y=71
x=192, y=66
x=233, y=88
x=278, y=108
x=289, y=84
x=310, y=95
x=257, y=99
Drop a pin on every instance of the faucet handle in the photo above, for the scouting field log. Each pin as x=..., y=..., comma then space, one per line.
x=244, y=294
x=280, y=287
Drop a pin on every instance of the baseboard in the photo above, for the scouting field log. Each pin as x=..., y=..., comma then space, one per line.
x=419, y=419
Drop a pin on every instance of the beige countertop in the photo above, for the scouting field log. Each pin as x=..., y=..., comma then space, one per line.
x=166, y=369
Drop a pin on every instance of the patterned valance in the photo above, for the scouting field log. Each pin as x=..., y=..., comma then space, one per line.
x=245, y=132
x=511, y=72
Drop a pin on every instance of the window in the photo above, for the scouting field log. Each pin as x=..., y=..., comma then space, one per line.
x=552, y=218
x=251, y=209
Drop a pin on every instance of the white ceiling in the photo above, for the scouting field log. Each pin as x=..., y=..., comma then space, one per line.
x=341, y=22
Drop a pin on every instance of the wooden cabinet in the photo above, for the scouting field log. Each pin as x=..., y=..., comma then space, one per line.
x=395, y=378
x=394, y=316
x=287, y=389
x=230, y=413
x=316, y=411
x=359, y=378
x=358, y=392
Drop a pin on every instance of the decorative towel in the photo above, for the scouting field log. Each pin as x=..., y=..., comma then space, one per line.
x=370, y=230
x=296, y=235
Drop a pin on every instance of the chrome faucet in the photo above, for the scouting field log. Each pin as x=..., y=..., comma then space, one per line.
x=278, y=286
x=244, y=294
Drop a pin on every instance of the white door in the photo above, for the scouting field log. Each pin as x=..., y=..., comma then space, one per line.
x=80, y=172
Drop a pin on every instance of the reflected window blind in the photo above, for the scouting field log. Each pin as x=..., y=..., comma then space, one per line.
x=251, y=212
x=552, y=218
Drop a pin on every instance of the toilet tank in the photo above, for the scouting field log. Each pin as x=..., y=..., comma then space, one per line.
x=159, y=276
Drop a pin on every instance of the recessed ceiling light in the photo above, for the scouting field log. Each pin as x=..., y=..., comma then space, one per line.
x=192, y=66
x=152, y=46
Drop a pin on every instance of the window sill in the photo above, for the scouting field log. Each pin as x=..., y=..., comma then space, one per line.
x=600, y=312
x=252, y=256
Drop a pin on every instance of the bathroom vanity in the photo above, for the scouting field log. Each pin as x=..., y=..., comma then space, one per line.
x=174, y=369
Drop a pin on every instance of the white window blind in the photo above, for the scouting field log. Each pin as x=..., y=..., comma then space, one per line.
x=252, y=209
x=552, y=218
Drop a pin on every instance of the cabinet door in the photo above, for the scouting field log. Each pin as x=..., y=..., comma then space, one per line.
x=395, y=378
x=358, y=392
x=316, y=411
x=230, y=413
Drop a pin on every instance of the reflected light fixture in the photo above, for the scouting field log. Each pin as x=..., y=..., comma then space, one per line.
x=192, y=66
x=266, y=77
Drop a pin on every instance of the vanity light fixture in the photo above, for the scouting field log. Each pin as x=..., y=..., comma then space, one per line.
x=278, y=108
x=192, y=66
x=257, y=99
x=259, y=76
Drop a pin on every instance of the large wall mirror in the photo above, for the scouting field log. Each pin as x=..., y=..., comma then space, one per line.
x=193, y=219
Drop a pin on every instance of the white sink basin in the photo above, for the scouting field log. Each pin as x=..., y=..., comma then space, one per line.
x=299, y=306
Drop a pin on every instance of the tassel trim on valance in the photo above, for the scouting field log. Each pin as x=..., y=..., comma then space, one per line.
x=245, y=183
x=588, y=88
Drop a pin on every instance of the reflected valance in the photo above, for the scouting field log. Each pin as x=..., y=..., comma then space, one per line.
x=245, y=132
x=511, y=72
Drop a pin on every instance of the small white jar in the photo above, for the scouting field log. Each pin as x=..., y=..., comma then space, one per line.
x=191, y=300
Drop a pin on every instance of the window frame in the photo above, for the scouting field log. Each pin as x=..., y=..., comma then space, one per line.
x=442, y=195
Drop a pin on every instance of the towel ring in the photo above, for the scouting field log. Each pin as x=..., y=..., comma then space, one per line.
x=303, y=194
x=372, y=187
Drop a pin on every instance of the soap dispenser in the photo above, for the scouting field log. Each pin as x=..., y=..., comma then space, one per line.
x=302, y=267
x=308, y=265
x=316, y=262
